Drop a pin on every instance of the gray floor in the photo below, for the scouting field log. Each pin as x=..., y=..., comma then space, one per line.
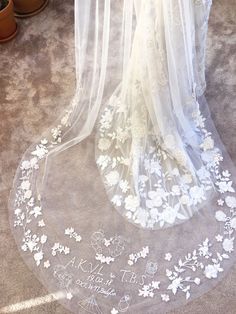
x=37, y=78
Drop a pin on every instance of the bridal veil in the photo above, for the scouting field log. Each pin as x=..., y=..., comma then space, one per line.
x=127, y=204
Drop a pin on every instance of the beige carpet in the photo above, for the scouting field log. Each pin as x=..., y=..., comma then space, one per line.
x=37, y=79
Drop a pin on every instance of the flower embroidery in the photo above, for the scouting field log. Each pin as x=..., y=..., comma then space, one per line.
x=197, y=194
x=148, y=290
x=103, y=161
x=28, y=208
x=38, y=257
x=170, y=214
x=124, y=185
x=168, y=257
x=155, y=198
x=220, y=215
x=233, y=223
x=131, y=202
x=72, y=234
x=58, y=248
x=219, y=238
x=112, y=178
x=165, y=297
x=104, y=144
x=212, y=270
x=228, y=245
x=40, y=151
x=134, y=257
x=36, y=211
x=117, y=200
x=230, y=201
x=208, y=143
x=104, y=259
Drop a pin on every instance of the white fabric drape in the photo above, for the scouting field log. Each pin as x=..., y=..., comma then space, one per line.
x=127, y=204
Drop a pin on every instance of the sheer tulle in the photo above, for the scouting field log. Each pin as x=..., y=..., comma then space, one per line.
x=128, y=204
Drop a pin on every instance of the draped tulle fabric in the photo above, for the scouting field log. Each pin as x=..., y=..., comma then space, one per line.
x=127, y=204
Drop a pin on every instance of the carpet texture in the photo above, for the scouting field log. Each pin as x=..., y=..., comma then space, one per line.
x=37, y=79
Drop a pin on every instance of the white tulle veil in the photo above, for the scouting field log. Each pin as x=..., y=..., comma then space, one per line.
x=127, y=204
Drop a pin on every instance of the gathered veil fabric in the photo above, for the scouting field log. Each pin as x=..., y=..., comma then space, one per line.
x=127, y=204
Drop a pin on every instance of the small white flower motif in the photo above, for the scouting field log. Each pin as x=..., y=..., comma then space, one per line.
x=220, y=215
x=106, y=119
x=180, y=156
x=175, y=172
x=41, y=223
x=37, y=211
x=204, y=248
x=175, y=190
x=66, y=250
x=69, y=295
x=34, y=163
x=187, y=178
x=40, y=151
x=44, y=141
x=219, y=238
x=211, y=270
x=197, y=281
x=197, y=194
x=185, y=200
x=28, y=194
x=112, y=178
x=56, y=133
x=25, y=185
x=141, y=217
x=203, y=173
x=117, y=200
x=25, y=165
x=165, y=297
x=46, y=264
x=64, y=120
x=225, y=186
x=134, y=257
x=72, y=234
x=168, y=257
x=170, y=214
x=104, y=259
x=220, y=202
x=233, y=223
x=43, y=239
x=31, y=202
x=114, y=311
x=103, y=161
x=208, y=143
x=175, y=285
x=155, y=199
x=228, y=245
x=226, y=173
x=124, y=185
x=107, y=242
x=230, y=201
x=156, y=284
x=104, y=144
x=148, y=290
x=38, y=257
x=18, y=211
x=58, y=248
x=131, y=202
